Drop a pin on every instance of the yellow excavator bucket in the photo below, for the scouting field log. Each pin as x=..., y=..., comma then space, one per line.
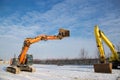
x=103, y=68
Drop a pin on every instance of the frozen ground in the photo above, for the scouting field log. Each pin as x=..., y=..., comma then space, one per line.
x=54, y=72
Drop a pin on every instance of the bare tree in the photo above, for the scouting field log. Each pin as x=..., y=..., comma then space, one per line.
x=83, y=54
x=118, y=47
x=97, y=53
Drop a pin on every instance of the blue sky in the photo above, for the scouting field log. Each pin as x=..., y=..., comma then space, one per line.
x=20, y=19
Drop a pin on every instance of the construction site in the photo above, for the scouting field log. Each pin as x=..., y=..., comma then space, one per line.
x=59, y=40
x=95, y=67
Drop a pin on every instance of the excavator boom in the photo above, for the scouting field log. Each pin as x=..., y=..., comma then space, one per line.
x=28, y=41
x=103, y=66
x=24, y=60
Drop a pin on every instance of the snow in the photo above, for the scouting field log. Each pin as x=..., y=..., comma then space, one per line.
x=54, y=72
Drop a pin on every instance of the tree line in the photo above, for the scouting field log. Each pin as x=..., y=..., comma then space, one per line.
x=82, y=60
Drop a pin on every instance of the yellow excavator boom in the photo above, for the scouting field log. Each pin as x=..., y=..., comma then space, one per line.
x=99, y=35
x=104, y=67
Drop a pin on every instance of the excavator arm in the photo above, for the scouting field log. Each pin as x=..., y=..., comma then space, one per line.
x=28, y=41
x=99, y=35
x=114, y=59
x=24, y=60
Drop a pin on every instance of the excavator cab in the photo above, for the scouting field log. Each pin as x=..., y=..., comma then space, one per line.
x=29, y=59
x=118, y=54
x=116, y=64
x=14, y=62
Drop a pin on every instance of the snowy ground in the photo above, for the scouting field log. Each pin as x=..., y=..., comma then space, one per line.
x=54, y=72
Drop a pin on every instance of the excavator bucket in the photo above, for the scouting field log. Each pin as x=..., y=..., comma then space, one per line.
x=64, y=33
x=103, y=68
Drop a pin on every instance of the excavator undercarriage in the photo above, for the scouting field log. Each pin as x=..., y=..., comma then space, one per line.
x=15, y=67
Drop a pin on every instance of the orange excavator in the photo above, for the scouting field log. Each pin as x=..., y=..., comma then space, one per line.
x=24, y=61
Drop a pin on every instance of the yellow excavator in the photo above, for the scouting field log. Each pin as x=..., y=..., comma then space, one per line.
x=24, y=61
x=114, y=59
